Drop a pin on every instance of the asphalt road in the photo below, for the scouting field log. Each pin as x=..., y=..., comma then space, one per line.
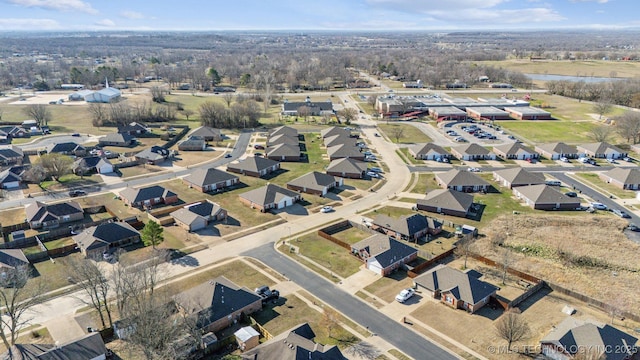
x=391, y=330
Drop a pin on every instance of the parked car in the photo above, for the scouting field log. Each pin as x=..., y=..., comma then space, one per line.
x=553, y=183
x=621, y=213
x=564, y=159
x=611, y=161
x=628, y=159
x=405, y=295
x=76, y=193
x=258, y=147
x=460, y=139
x=571, y=194
x=373, y=174
x=227, y=155
x=375, y=169
x=267, y=294
x=598, y=206
x=326, y=209
x=474, y=169
x=634, y=227
x=257, y=154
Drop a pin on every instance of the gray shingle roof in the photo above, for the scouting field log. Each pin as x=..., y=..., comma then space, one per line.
x=65, y=147
x=346, y=165
x=600, y=148
x=8, y=176
x=466, y=287
x=283, y=139
x=313, y=180
x=625, y=176
x=202, y=177
x=470, y=149
x=448, y=199
x=343, y=151
x=38, y=211
x=558, y=148
x=124, y=138
x=518, y=176
x=153, y=153
x=146, y=193
x=406, y=225
x=12, y=258
x=105, y=233
x=544, y=194
x=90, y=346
x=427, y=148
x=283, y=150
x=334, y=130
x=253, y=164
x=205, y=210
x=268, y=194
x=514, y=148
x=284, y=130
x=206, y=131
x=461, y=178
x=386, y=250
x=339, y=139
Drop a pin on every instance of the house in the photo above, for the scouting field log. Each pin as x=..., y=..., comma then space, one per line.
x=41, y=215
x=269, y=197
x=446, y=201
x=255, y=166
x=153, y=155
x=528, y=113
x=217, y=304
x=148, y=196
x=447, y=113
x=210, y=179
x=315, y=108
x=9, y=179
x=12, y=132
x=134, y=128
x=555, y=151
x=410, y=228
x=464, y=181
x=339, y=139
x=117, y=139
x=315, y=183
x=66, y=148
x=92, y=164
x=283, y=139
x=11, y=260
x=573, y=337
x=11, y=155
x=460, y=290
x=294, y=344
x=623, y=178
x=96, y=240
x=283, y=152
x=472, y=152
x=484, y=113
x=515, y=151
x=344, y=151
x=602, y=150
x=284, y=130
x=428, y=151
x=333, y=131
x=383, y=254
x=192, y=143
x=207, y=133
x=197, y=216
x=90, y=346
x=545, y=197
x=514, y=177
x=347, y=168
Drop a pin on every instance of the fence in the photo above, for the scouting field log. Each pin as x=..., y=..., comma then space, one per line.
x=53, y=253
x=334, y=240
x=417, y=270
x=265, y=334
x=527, y=294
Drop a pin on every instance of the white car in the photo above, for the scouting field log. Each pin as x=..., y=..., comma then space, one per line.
x=373, y=174
x=598, y=206
x=564, y=159
x=405, y=295
x=326, y=209
x=611, y=161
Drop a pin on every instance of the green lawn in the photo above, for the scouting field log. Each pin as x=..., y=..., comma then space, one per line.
x=327, y=254
x=69, y=181
x=408, y=158
x=352, y=235
x=426, y=182
x=408, y=134
x=551, y=131
x=594, y=179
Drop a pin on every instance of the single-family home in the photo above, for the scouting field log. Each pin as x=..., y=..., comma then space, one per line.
x=295, y=344
x=472, y=152
x=66, y=148
x=517, y=176
x=269, y=197
x=573, y=337
x=9, y=179
x=515, y=151
x=255, y=166
x=344, y=151
x=446, y=201
x=624, y=178
x=460, y=290
x=428, y=151
x=283, y=152
x=284, y=130
x=459, y=180
x=7, y=133
x=197, y=216
x=210, y=179
x=153, y=155
x=557, y=150
x=207, y=133
x=410, y=228
x=117, y=139
x=217, y=304
x=347, y=168
x=41, y=215
x=10, y=261
x=134, y=128
x=92, y=164
x=148, y=196
x=315, y=108
x=90, y=346
x=545, y=197
x=192, y=143
x=11, y=155
x=315, y=183
x=383, y=254
x=333, y=131
x=339, y=139
x=96, y=240
x=283, y=139
x=601, y=150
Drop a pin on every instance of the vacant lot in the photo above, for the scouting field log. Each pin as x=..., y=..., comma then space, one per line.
x=551, y=131
x=326, y=254
x=403, y=133
x=571, y=68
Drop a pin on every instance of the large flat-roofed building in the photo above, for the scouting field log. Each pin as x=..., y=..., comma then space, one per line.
x=528, y=113
x=487, y=113
x=447, y=113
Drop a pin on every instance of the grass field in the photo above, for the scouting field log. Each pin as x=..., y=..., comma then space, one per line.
x=327, y=254
x=425, y=184
x=595, y=180
x=409, y=134
x=571, y=68
x=550, y=131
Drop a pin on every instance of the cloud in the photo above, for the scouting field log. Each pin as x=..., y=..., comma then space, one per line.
x=423, y=6
x=497, y=16
x=105, y=23
x=131, y=14
x=598, y=1
x=29, y=24
x=60, y=5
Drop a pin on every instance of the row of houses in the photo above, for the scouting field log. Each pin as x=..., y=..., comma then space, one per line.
x=283, y=144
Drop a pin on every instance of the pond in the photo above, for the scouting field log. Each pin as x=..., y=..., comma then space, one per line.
x=588, y=79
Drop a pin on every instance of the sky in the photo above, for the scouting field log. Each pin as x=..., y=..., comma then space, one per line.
x=365, y=15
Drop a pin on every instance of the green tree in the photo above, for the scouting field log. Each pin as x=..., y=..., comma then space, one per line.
x=213, y=74
x=152, y=234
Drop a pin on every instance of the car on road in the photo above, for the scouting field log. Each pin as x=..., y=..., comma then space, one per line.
x=227, y=155
x=405, y=295
x=76, y=193
x=258, y=147
x=474, y=169
x=571, y=194
x=620, y=213
x=598, y=206
x=326, y=209
x=634, y=227
x=376, y=135
x=75, y=134
x=460, y=139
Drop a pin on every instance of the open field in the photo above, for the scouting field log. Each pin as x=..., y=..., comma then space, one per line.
x=408, y=134
x=327, y=254
x=538, y=132
x=598, y=68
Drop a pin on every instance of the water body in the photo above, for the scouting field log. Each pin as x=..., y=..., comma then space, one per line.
x=588, y=79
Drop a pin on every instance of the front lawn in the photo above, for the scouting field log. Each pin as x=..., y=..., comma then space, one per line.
x=327, y=254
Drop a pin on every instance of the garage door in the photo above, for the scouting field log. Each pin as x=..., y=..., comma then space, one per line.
x=375, y=267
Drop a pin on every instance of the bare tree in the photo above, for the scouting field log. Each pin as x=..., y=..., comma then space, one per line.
x=602, y=107
x=99, y=114
x=35, y=174
x=397, y=132
x=600, y=133
x=511, y=326
x=16, y=297
x=157, y=94
x=349, y=114
x=330, y=320
x=56, y=165
x=38, y=112
x=463, y=248
x=627, y=125
x=91, y=279
x=187, y=113
x=305, y=112
x=228, y=98
x=506, y=260
x=363, y=350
